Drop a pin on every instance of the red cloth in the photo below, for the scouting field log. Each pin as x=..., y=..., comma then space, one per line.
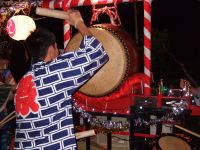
x=126, y=88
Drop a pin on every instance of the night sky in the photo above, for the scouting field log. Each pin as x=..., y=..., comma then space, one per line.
x=181, y=18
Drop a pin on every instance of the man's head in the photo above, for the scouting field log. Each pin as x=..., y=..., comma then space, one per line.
x=4, y=61
x=42, y=44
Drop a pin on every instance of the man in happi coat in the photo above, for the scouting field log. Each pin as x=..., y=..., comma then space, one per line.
x=44, y=95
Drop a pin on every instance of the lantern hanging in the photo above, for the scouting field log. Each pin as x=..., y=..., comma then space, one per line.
x=19, y=27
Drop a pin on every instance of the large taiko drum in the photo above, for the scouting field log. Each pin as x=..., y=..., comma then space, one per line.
x=166, y=141
x=123, y=59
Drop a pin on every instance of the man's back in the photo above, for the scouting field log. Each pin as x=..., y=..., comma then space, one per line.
x=43, y=97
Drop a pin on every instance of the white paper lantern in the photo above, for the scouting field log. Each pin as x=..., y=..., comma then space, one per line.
x=19, y=27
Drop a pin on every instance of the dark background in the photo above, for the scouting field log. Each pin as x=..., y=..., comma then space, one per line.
x=180, y=18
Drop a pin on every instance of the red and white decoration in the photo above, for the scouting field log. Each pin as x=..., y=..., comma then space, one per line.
x=147, y=46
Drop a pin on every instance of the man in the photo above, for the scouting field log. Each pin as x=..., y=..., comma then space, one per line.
x=44, y=95
x=5, y=73
x=7, y=78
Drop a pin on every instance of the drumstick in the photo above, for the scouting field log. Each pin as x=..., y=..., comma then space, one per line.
x=186, y=130
x=8, y=120
x=78, y=135
x=52, y=13
x=84, y=134
x=7, y=117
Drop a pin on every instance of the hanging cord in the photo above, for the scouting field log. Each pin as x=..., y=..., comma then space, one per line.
x=26, y=53
x=112, y=14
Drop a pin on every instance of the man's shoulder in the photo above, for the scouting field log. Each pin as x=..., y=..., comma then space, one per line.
x=7, y=71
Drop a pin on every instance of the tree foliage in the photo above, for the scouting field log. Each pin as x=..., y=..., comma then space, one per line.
x=162, y=63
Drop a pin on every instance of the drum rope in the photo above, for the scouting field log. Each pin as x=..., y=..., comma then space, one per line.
x=112, y=14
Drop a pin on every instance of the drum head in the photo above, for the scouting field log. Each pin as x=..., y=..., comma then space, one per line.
x=173, y=143
x=166, y=141
x=114, y=72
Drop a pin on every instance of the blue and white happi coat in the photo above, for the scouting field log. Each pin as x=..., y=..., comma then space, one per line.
x=44, y=95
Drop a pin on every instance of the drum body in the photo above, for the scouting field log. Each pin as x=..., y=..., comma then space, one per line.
x=123, y=59
x=168, y=141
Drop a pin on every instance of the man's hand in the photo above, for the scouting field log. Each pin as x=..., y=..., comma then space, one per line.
x=74, y=15
x=184, y=83
x=76, y=18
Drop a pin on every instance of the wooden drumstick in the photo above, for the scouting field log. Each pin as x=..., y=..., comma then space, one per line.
x=186, y=130
x=8, y=120
x=52, y=13
x=84, y=134
x=2, y=122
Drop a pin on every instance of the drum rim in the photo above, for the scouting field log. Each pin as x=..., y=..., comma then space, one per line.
x=174, y=135
x=127, y=58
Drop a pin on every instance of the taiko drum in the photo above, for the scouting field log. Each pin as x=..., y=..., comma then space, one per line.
x=167, y=141
x=123, y=59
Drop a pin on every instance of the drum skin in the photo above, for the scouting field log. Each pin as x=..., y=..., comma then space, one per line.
x=166, y=141
x=123, y=59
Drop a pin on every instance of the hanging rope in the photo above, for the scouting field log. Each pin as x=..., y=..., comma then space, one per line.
x=108, y=10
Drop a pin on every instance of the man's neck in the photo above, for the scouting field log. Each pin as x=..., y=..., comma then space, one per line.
x=35, y=60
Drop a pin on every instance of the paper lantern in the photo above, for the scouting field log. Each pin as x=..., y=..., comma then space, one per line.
x=19, y=27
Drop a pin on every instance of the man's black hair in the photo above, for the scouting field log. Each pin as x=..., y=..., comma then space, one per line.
x=39, y=41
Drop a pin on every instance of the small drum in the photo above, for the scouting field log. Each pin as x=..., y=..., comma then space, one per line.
x=167, y=141
x=123, y=59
